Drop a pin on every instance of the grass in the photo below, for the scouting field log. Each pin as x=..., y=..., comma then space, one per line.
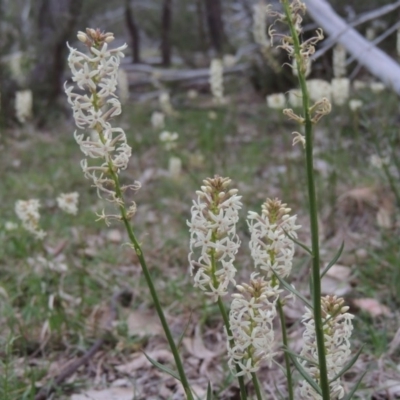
x=246, y=142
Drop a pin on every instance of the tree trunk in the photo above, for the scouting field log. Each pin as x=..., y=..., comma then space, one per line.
x=55, y=23
x=166, y=33
x=133, y=32
x=215, y=24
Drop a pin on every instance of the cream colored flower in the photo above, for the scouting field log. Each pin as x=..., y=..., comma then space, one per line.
x=158, y=120
x=340, y=90
x=276, y=101
x=28, y=212
x=175, y=167
x=68, y=202
x=318, y=88
x=339, y=61
x=295, y=98
x=169, y=139
x=377, y=87
x=217, y=81
x=355, y=104
x=23, y=105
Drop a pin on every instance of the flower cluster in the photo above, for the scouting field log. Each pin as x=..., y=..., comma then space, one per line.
x=169, y=139
x=339, y=61
x=337, y=329
x=271, y=248
x=68, y=202
x=276, y=101
x=213, y=239
x=96, y=74
x=260, y=11
x=158, y=120
x=165, y=104
x=217, y=81
x=28, y=212
x=23, y=105
x=251, y=317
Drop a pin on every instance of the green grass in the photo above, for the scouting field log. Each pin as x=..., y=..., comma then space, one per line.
x=250, y=144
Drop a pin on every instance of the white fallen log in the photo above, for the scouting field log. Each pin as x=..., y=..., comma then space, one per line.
x=376, y=61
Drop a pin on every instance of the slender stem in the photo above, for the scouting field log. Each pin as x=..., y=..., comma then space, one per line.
x=256, y=385
x=152, y=289
x=222, y=309
x=313, y=210
x=286, y=345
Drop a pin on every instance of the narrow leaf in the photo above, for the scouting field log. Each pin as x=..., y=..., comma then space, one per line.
x=162, y=367
x=209, y=391
x=291, y=353
x=355, y=387
x=306, y=375
x=184, y=331
x=302, y=245
x=293, y=290
x=348, y=365
x=333, y=261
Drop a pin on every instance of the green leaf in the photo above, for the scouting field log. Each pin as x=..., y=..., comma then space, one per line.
x=209, y=391
x=302, y=245
x=333, y=261
x=355, y=387
x=305, y=374
x=293, y=290
x=348, y=365
x=163, y=367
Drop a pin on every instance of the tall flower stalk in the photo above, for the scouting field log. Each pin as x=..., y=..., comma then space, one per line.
x=213, y=246
x=301, y=52
x=94, y=105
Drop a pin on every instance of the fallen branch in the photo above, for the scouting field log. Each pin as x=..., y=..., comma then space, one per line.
x=45, y=392
x=375, y=60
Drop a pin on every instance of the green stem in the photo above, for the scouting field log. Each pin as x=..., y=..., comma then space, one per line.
x=286, y=345
x=152, y=289
x=256, y=385
x=222, y=309
x=313, y=210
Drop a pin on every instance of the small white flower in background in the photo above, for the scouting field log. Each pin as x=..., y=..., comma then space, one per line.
x=213, y=239
x=123, y=86
x=228, y=60
x=212, y=115
x=28, y=212
x=295, y=98
x=370, y=34
x=41, y=264
x=271, y=249
x=14, y=61
x=337, y=328
x=359, y=85
x=165, y=104
x=251, y=321
x=217, y=81
x=276, y=101
x=340, y=90
x=339, y=61
x=175, y=167
x=377, y=87
x=158, y=120
x=23, y=105
x=318, y=88
x=379, y=162
x=10, y=226
x=169, y=139
x=260, y=11
x=355, y=104
x=68, y=202
x=192, y=94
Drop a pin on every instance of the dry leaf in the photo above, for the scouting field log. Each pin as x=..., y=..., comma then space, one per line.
x=336, y=281
x=141, y=361
x=195, y=346
x=143, y=323
x=106, y=394
x=372, y=306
